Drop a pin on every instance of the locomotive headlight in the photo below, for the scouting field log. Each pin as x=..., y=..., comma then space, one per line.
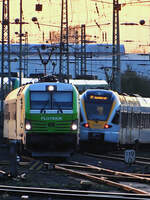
x=74, y=126
x=51, y=88
x=28, y=126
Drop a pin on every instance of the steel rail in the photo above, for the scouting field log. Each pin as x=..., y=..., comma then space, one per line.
x=118, y=177
x=137, y=157
x=143, y=179
x=111, y=173
x=102, y=180
x=116, y=158
x=68, y=194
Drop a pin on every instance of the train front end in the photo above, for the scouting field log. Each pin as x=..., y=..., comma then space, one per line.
x=99, y=116
x=52, y=117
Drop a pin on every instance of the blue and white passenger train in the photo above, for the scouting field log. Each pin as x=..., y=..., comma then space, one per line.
x=107, y=116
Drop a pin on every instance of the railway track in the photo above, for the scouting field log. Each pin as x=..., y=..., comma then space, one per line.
x=120, y=157
x=94, y=173
x=102, y=175
x=68, y=194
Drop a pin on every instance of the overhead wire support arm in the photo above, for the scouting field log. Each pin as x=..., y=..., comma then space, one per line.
x=45, y=61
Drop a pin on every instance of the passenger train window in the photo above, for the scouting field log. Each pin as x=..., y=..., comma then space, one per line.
x=124, y=119
x=145, y=120
x=148, y=119
x=130, y=123
x=135, y=120
x=116, y=118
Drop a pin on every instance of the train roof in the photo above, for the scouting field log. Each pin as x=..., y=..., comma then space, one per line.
x=88, y=82
x=12, y=95
x=126, y=100
x=60, y=86
x=83, y=85
x=39, y=87
x=134, y=101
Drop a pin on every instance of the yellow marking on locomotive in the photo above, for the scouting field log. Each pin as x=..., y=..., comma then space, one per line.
x=96, y=124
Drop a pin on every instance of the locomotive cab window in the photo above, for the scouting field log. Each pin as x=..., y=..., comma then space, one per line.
x=62, y=100
x=51, y=101
x=40, y=100
x=98, y=106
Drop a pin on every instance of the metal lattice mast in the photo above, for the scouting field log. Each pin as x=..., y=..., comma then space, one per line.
x=76, y=54
x=64, y=50
x=5, y=65
x=116, y=83
x=20, y=41
x=5, y=56
x=83, y=50
x=26, y=46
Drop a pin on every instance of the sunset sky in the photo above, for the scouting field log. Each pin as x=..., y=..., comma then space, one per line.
x=86, y=12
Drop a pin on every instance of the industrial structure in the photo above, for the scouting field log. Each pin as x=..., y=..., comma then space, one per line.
x=64, y=42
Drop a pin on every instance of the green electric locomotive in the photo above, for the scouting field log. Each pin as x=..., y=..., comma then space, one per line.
x=43, y=118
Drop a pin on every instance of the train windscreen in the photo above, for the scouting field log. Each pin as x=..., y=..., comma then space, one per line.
x=51, y=101
x=98, y=106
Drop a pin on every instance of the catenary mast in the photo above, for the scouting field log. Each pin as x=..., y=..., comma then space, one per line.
x=115, y=80
x=5, y=56
x=64, y=46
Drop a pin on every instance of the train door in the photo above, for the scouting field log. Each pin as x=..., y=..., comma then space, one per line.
x=129, y=126
x=132, y=130
x=126, y=130
x=144, y=128
x=123, y=126
x=134, y=127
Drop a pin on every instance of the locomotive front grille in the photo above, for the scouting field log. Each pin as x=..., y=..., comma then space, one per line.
x=50, y=125
x=39, y=125
x=63, y=125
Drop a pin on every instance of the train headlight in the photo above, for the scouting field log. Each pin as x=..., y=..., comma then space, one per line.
x=74, y=126
x=28, y=126
x=51, y=88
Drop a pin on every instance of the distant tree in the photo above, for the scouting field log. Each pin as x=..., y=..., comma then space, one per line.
x=132, y=83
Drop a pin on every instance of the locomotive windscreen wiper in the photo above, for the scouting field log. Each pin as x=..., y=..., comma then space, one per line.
x=43, y=109
x=59, y=108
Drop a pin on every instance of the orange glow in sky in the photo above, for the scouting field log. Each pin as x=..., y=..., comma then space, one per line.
x=135, y=38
